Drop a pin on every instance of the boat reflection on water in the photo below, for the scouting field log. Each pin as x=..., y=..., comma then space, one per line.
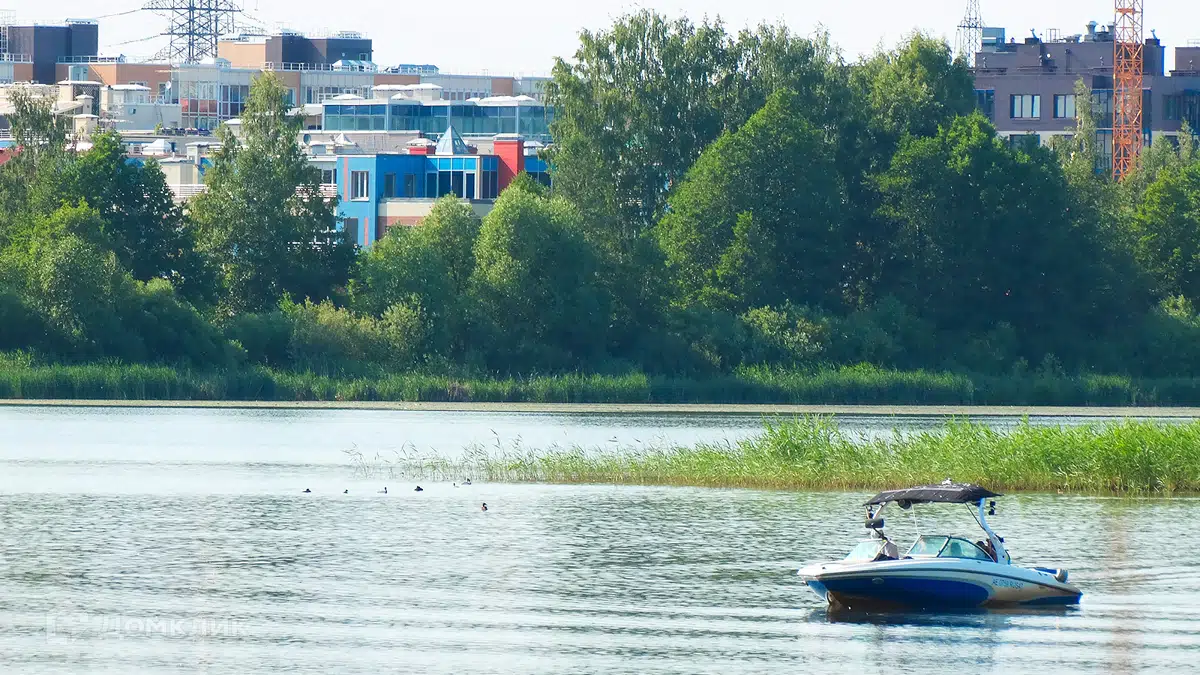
x=979, y=617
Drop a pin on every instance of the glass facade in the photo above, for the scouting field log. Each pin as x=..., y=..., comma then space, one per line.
x=356, y=117
x=1102, y=106
x=1183, y=107
x=323, y=94
x=432, y=120
x=491, y=178
x=233, y=100
x=453, y=176
x=207, y=97
x=1104, y=150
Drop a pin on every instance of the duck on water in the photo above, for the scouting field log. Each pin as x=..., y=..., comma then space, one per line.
x=937, y=572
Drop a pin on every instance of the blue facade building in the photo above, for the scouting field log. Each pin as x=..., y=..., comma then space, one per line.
x=384, y=190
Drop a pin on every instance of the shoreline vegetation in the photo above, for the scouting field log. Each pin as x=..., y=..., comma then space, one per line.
x=1134, y=458
x=742, y=215
x=23, y=379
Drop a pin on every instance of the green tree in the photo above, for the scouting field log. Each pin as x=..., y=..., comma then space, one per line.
x=640, y=101
x=536, y=292
x=1167, y=225
x=263, y=220
x=915, y=89
x=429, y=266
x=140, y=220
x=984, y=235
x=757, y=221
x=41, y=138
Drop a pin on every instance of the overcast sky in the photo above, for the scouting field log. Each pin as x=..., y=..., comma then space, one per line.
x=524, y=36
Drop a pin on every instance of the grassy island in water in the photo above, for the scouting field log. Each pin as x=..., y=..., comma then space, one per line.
x=1135, y=458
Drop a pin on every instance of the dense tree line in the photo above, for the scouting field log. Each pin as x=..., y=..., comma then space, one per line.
x=720, y=200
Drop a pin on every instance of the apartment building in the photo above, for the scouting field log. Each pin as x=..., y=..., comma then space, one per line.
x=1027, y=89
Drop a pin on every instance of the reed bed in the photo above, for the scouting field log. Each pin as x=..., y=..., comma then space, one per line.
x=23, y=378
x=1136, y=458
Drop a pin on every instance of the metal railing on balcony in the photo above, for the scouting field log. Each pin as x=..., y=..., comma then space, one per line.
x=185, y=191
x=364, y=67
x=90, y=59
x=16, y=58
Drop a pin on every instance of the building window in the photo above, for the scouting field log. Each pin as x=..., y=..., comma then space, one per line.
x=380, y=229
x=410, y=185
x=358, y=185
x=1024, y=142
x=1104, y=154
x=1026, y=107
x=1064, y=107
x=985, y=100
x=329, y=176
x=1102, y=107
x=389, y=186
x=351, y=225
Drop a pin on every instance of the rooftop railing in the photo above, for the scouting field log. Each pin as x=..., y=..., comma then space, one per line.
x=90, y=59
x=319, y=67
x=16, y=58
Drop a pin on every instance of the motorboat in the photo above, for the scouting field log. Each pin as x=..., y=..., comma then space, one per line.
x=938, y=571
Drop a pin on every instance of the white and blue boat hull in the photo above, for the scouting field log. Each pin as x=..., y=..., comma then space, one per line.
x=936, y=583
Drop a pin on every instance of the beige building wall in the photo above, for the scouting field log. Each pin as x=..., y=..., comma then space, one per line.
x=396, y=78
x=154, y=75
x=410, y=212
x=502, y=86
x=243, y=54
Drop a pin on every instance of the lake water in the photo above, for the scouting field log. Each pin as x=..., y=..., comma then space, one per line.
x=180, y=541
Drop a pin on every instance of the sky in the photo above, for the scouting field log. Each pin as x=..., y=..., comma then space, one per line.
x=523, y=36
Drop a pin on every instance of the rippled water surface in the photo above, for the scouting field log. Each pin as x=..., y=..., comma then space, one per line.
x=180, y=541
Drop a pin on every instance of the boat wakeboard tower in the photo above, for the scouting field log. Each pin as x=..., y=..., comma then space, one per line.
x=937, y=572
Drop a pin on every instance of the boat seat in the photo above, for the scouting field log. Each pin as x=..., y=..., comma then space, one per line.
x=889, y=552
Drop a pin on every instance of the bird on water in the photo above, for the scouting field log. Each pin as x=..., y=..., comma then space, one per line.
x=484, y=507
x=419, y=489
x=383, y=491
x=307, y=491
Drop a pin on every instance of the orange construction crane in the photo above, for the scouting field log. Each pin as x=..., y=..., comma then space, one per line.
x=1129, y=68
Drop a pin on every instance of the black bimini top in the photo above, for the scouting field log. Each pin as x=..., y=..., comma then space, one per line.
x=946, y=493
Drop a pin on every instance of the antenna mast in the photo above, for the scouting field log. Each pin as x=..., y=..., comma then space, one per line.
x=1129, y=69
x=194, y=27
x=970, y=33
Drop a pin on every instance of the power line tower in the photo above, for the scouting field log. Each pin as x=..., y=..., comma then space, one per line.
x=970, y=33
x=194, y=27
x=7, y=18
x=1129, y=69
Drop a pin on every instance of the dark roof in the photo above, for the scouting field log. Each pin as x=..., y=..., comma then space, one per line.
x=946, y=493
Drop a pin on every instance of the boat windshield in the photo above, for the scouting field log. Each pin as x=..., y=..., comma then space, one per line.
x=866, y=551
x=961, y=548
x=946, y=547
x=928, y=546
